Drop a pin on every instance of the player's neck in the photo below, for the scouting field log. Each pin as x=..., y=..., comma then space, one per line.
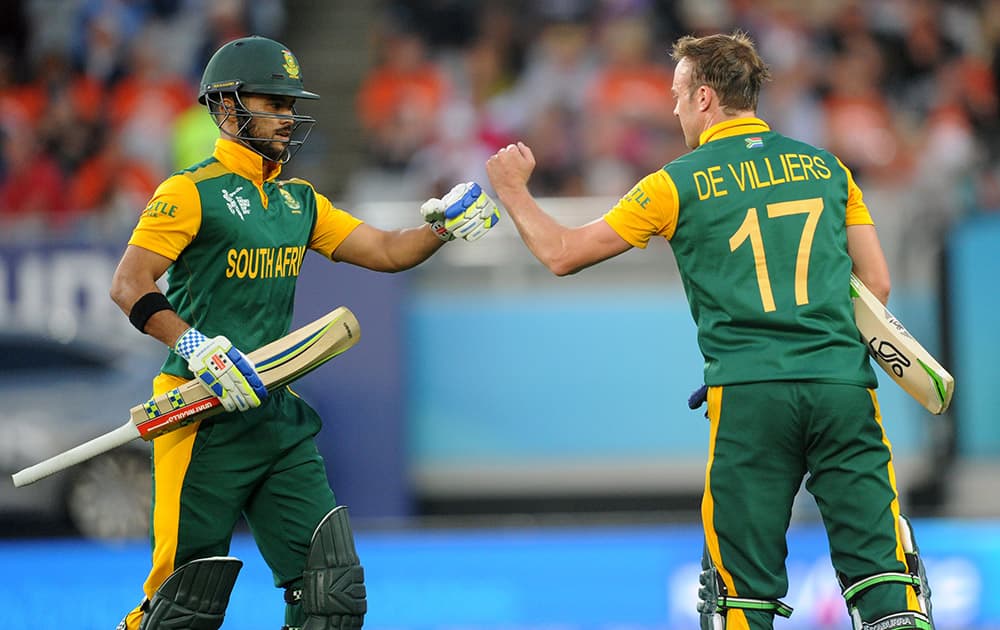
x=721, y=116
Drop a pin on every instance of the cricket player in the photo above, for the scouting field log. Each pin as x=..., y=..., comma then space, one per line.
x=231, y=238
x=766, y=231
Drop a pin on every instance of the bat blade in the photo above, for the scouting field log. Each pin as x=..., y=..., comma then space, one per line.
x=899, y=354
x=278, y=364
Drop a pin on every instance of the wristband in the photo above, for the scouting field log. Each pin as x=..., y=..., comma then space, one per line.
x=145, y=307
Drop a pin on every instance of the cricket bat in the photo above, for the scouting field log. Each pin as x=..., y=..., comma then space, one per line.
x=278, y=363
x=898, y=353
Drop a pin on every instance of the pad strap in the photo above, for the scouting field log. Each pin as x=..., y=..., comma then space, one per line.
x=852, y=591
x=775, y=606
x=147, y=306
x=715, y=599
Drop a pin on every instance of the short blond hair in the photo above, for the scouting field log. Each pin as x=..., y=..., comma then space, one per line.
x=729, y=64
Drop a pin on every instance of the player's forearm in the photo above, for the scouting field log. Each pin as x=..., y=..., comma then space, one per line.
x=167, y=327
x=164, y=325
x=407, y=248
x=542, y=234
x=868, y=260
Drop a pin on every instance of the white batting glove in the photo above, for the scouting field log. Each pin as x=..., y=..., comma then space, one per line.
x=466, y=212
x=224, y=371
x=433, y=212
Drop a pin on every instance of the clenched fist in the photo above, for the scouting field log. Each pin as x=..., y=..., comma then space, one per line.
x=465, y=212
x=510, y=167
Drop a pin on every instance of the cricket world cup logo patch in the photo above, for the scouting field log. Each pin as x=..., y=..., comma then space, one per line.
x=238, y=206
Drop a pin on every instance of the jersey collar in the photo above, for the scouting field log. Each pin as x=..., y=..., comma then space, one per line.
x=244, y=162
x=733, y=127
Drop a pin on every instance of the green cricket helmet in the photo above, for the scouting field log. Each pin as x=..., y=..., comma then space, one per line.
x=256, y=65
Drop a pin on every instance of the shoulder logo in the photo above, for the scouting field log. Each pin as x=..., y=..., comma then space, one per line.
x=754, y=142
x=291, y=65
x=290, y=201
x=238, y=206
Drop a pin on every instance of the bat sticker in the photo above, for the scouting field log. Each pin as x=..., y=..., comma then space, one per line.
x=890, y=354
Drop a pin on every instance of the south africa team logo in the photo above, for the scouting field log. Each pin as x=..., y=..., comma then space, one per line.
x=290, y=201
x=291, y=65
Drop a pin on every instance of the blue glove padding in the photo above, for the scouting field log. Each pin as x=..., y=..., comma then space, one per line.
x=466, y=212
x=224, y=371
x=698, y=397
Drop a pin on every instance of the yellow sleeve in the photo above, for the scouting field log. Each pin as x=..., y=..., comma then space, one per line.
x=857, y=211
x=171, y=219
x=333, y=225
x=649, y=209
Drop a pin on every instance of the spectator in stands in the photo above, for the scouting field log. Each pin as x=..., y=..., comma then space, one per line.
x=555, y=130
x=104, y=31
x=628, y=130
x=446, y=93
x=66, y=107
x=860, y=125
x=31, y=190
x=225, y=20
x=913, y=57
x=786, y=38
x=469, y=127
x=466, y=132
x=548, y=101
x=16, y=102
x=560, y=65
x=146, y=102
x=400, y=100
x=112, y=187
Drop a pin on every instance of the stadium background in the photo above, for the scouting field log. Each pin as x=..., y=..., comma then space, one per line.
x=549, y=474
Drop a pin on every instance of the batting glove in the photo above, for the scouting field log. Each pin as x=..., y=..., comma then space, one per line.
x=466, y=212
x=224, y=371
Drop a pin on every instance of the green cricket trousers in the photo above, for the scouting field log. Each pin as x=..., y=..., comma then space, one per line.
x=262, y=464
x=764, y=439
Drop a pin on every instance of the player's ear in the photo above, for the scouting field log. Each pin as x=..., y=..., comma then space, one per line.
x=227, y=104
x=224, y=108
x=705, y=96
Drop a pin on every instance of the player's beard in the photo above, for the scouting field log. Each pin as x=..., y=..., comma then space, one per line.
x=274, y=150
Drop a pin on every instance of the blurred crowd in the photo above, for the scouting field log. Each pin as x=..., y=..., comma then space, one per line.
x=97, y=96
x=98, y=104
x=899, y=89
x=905, y=92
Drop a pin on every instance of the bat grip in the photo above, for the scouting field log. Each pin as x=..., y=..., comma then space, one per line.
x=100, y=444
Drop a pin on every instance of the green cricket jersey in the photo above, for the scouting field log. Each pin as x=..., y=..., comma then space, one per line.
x=758, y=225
x=237, y=239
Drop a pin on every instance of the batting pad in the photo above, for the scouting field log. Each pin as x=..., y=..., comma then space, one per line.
x=194, y=597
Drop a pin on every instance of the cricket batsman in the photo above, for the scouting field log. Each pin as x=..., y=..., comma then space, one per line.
x=230, y=235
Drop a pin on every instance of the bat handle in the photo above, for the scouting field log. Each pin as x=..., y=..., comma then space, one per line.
x=100, y=444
